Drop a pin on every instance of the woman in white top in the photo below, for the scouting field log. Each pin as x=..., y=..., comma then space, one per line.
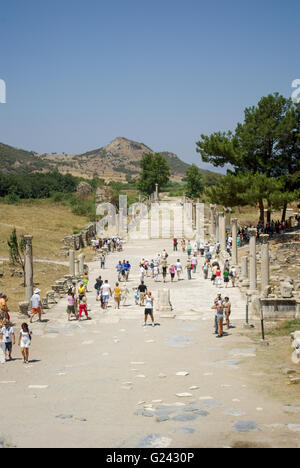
x=25, y=341
x=149, y=309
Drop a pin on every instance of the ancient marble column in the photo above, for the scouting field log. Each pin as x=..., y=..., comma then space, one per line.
x=28, y=268
x=244, y=272
x=253, y=263
x=234, y=252
x=222, y=231
x=212, y=224
x=77, y=268
x=81, y=259
x=156, y=193
x=217, y=234
x=265, y=262
x=228, y=212
x=72, y=262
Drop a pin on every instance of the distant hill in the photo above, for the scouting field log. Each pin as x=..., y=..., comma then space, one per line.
x=115, y=161
x=14, y=160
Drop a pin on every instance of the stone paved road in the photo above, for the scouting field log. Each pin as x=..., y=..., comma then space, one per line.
x=109, y=382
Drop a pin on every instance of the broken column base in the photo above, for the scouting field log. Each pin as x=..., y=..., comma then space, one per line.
x=164, y=302
x=24, y=309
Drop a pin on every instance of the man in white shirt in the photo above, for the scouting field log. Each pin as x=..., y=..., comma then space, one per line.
x=106, y=293
x=8, y=339
x=36, y=304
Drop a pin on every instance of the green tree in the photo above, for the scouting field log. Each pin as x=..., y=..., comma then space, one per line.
x=155, y=170
x=266, y=143
x=243, y=189
x=17, y=250
x=195, y=186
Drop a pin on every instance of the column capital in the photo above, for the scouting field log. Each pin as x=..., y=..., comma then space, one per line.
x=28, y=239
x=264, y=238
x=221, y=213
x=234, y=220
x=252, y=232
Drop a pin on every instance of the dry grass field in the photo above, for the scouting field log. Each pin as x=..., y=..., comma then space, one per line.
x=48, y=223
x=45, y=274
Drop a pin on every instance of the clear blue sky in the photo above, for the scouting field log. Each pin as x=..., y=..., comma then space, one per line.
x=80, y=73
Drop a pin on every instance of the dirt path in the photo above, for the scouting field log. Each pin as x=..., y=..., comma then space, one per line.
x=109, y=382
x=40, y=260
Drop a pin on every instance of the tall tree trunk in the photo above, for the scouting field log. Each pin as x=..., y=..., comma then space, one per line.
x=269, y=213
x=283, y=218
x=261, y=212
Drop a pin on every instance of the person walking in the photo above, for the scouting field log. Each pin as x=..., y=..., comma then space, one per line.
x=119, y=268
x=102, y=261
x=172, y=271
x=194, y=263
x=117, y=296
x=85, y=280
x=205, y=269
x=232, y=275
x=142, y=273
x=106, y=293
x=36, y=304
x=8, y=339
x=218, y=277
x=175, y=244
x=142, y=289
x=164, y=265
x=71, y=305
x=24, y=342
x=83, y=308
x=189, y=249
x=149, y=309
x=178, y=269
x=226, y=277
x=189, y=268
x=227, y=309
x=98, y=287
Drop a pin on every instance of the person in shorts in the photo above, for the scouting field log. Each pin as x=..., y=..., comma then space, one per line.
x=142, y=289
x=71, y=310
x=36, y=303
x=106, y=293
x=8, y=339
x=149, y=308
x=172, y=271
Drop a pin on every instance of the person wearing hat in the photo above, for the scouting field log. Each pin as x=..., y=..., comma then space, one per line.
x=36, y=304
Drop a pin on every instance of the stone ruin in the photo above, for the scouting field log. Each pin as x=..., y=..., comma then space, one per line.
x=79, y=241
x=295, y=337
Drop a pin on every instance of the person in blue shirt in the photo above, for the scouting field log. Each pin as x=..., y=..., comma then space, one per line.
x=119, y=268
x=127, y=267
